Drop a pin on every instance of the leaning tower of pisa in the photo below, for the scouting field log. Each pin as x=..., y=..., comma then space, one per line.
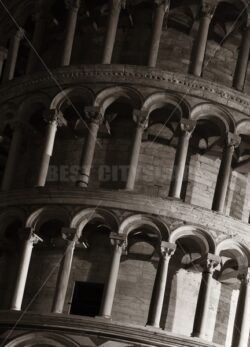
x=124, y=166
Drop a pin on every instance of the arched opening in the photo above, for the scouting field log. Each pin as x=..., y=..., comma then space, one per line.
x=90, y=269
x=113, y=148
x=44, y=265
x=158, y=149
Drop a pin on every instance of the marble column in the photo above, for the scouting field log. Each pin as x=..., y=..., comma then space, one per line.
x=19, y=129
x=141, y=119
x=29, y=240
x=3, y=56
x=242, y=326
x=41, y=24
x=156, y=305
x=11, y=61
x=55, y=119
x=187, y=126
x=232, y=141
x=209, y=264
x=114, y=13
x=71, y=237
x=242, y=61
x=207, y=11
x=118, y=241
x=94, y=117
x=73, y=8
x=161, y=7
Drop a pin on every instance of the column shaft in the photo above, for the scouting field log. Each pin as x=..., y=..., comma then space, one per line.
x=10, y=168
x=47, y=153
x=88, y=154
x=63, y=278
x=187, y=127
x=242, y=327
x=10, y=67
x=242, y=62
x=134, y=158
x=3, y=56
x=232, y=141
x=37, y=40
x=156, y=33
x=156, y=305
x=17, y=298
x=114, y=13
x=109, y=291
x=200, y=45
x=202, y=308
x=70, y=34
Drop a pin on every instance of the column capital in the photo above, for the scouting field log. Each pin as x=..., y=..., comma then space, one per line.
x=3, y=53
x=72, y=4
x=245, y=277
x=208, y=8
x=209, y=262
x=69, y=234
x=141, y=118
x=187, y=126
x=118, y=240
x=232, y=140
x=27, y=234
x=51, y=116
x=94, y=114
x=165, y=3
x=167, y=249
x=19, y=34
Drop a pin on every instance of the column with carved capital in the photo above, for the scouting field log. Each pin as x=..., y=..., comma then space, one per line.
x=209, y=264
x=41, y=23
x=73, y=7
x=187, y=126
x=242, y=61
x=118, y=241
x=71, y=237
x=162, y=7
x=207, y=11
x=29, y=240
x=141, y=118
x=114, y=13
x=95, y=117
x=54, y=118
x=3, y=56
x=15, y=147
x=232, y=141
x=10, y=66
x=156, y=305
x=242, y=326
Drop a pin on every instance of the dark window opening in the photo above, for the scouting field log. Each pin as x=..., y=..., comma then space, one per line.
x=87, y=299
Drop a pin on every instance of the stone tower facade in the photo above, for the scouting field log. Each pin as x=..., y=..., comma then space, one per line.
x=124, y=164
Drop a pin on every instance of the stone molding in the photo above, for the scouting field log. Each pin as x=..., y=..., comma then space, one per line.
x=127, y=75
x=134, y=334
x=176, y=212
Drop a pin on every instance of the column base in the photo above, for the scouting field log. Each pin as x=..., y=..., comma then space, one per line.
x=153, y=327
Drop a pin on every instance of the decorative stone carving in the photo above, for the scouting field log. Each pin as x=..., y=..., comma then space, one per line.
x=141, y=118
x=93, y=114
x=208, y=7
x=167, y=249
x=233, y=140
x=51, y=116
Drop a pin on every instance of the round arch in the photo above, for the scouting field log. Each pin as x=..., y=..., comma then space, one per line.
x=237, y=251
x=243, y=127
x=42, y=339
x=70, y=94
x=28, y=104
x=154, y=224
x=202, y=237
x=158, y=100
x=109, y=95
x=216, y=114
x=44, y=214
x=99, y=215
x=6, y=217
